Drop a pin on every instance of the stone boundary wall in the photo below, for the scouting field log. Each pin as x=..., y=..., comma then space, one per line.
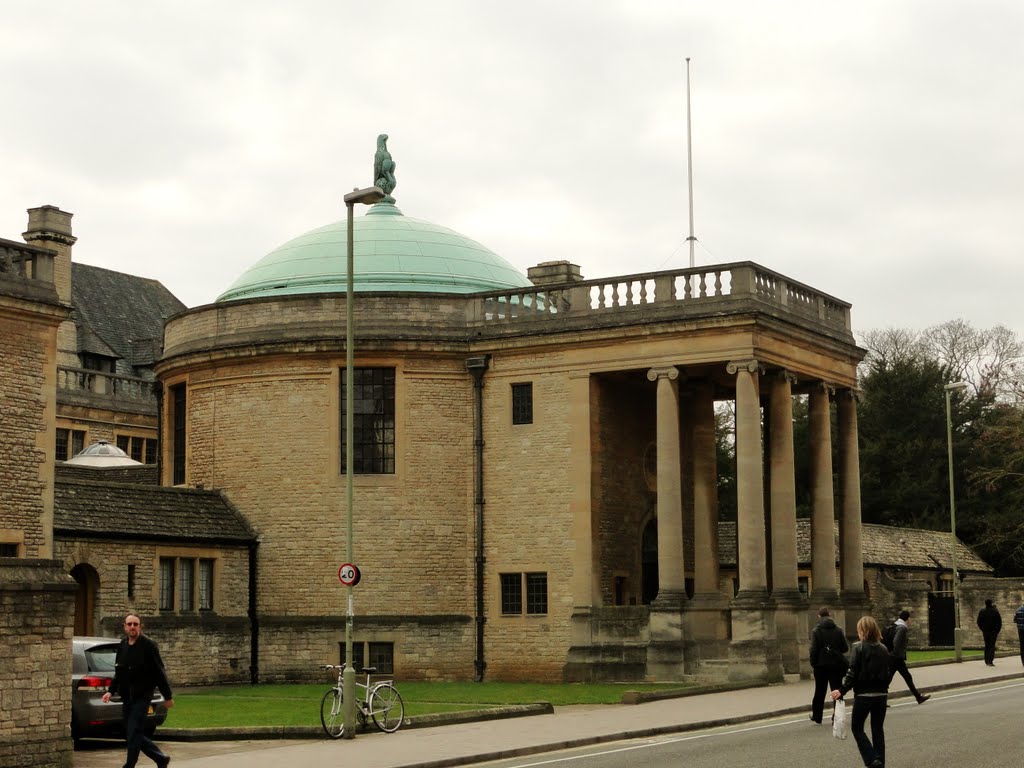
x=37, y=603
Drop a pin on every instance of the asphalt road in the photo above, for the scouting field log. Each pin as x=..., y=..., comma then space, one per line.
x=969, y=728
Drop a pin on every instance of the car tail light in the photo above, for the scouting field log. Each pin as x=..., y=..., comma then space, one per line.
x=93, y=683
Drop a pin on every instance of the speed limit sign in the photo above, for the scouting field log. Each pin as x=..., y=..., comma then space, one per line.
x=348, y=575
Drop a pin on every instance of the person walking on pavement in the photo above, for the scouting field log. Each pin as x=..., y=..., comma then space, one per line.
x=138, y=669
x=990, y=622
x=869, y=677
x=1018, y=619
x=828, y=660
x=899, y=657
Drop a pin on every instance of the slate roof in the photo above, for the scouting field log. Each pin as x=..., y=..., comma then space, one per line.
x=883, y=545
x=119, y=313
x=145, y=512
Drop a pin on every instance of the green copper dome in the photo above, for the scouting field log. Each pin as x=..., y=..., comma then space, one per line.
x=392, y=252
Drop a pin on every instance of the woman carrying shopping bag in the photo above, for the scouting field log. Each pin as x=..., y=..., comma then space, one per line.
x=868, y=676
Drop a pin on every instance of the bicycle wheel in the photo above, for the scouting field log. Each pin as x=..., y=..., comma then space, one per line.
x=332, y=718
x=386, y=707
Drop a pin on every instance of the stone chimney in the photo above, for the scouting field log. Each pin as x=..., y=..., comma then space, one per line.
x=50, y=227
x=553, y=273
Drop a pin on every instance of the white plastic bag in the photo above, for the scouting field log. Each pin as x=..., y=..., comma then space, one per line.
x=841, y=720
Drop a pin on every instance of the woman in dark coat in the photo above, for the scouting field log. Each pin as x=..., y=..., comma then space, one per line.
x=868, y=676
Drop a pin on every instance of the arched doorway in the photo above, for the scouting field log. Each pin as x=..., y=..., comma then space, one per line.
x=85, y=598
x=649, y=562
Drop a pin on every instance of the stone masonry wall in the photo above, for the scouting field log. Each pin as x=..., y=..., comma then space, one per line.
x=527, y=516
x=223, y=633
x=24, y=422
x=268, y=434
x=36, y=610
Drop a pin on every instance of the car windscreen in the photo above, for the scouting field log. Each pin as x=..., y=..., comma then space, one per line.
x=101, y=658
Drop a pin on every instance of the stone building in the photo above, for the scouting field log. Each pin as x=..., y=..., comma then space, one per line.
x=36, y=595
x=529, y=457
x=106, y=347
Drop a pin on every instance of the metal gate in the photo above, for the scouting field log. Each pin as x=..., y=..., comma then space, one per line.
x=941, y=618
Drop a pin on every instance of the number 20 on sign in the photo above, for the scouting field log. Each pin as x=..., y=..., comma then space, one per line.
x=348, y=575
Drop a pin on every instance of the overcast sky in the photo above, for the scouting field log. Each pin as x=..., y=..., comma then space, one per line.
x=872, y=150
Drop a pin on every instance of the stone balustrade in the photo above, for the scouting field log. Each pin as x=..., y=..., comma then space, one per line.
x=28, y=262
x=100, y=386
x=702, y=289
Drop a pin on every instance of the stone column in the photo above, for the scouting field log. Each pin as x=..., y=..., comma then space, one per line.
x=706, y=581
x=671, y=568
x=783, y=488
x=665, y=649
x=791, y=611
x=707, y=616
x=851, y=554
x=750, y=534
x=823, y=551
x=754, y=649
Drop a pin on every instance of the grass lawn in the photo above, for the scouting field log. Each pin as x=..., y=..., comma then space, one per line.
x=300, y=704
x=282, y=705
x=913, y=656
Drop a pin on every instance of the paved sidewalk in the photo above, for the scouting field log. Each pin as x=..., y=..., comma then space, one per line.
x=569, y=726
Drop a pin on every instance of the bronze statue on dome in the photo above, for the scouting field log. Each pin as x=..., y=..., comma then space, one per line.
x=384, y=169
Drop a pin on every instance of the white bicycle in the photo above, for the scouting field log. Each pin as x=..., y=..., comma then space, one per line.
x=381, y=703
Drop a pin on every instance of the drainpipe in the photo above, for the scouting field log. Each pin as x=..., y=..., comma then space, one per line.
x=254, y=620
x=477, y=366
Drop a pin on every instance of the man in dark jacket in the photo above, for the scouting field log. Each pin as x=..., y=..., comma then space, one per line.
x=828, y=660
x=1018, y=619
x=138, y=670
x=898, y=657
x=990, y=622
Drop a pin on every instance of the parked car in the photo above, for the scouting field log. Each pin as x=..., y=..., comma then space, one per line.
x=92, y=669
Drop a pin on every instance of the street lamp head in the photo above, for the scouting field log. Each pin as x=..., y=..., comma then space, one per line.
x=367, y=196
x=956, y=386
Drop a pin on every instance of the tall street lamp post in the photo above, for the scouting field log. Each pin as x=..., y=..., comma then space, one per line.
x=958, y=386
x=367, y=196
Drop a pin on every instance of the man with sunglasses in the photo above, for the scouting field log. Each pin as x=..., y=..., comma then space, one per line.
x=138, y=669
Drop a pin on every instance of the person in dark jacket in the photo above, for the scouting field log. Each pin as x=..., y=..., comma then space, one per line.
x=138, y=670
x=898, y=658
x=828, y=660
x=1018, y=619
x=868, y=676
x=990, y=622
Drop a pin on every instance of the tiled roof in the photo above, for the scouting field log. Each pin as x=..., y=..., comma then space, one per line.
x=123, y=312
x=883, y=545
x=122, y=510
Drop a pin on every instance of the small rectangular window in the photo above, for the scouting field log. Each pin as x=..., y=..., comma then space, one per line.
x=166, y=583
x=63, y=444
x=536, y=593
x=131, y=582
x=357, y=654
x=150, y=452
x=123, y=442
x=8, y=549
x=522, y=403
x=136, y=449
x=382, y=657
x=186, y=583
x=77, y=442
x=511, y=593
x=206, y=585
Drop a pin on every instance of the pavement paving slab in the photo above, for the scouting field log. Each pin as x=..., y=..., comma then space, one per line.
x=466, y=743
